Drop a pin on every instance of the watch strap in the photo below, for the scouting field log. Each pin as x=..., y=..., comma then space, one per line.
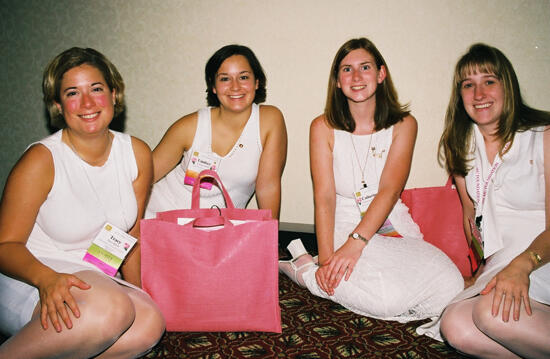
x=357, y=236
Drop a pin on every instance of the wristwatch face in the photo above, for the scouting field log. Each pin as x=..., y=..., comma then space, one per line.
x=355, y=235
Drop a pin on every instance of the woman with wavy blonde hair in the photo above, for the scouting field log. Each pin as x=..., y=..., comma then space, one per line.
x=58, y=296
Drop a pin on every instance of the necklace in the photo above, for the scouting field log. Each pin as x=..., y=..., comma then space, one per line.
x=364, y=167
x=90, y=183
x=106, y=152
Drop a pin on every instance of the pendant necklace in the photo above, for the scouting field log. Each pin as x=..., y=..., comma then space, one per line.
x=364, y=167
x=78, y=154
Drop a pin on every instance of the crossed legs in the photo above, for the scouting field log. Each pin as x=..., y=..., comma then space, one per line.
x=470, y=327
x=115, y=322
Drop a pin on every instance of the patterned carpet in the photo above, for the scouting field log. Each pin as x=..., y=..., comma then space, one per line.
x=312, y=328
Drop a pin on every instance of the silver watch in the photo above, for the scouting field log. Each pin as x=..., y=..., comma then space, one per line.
x=356, y=235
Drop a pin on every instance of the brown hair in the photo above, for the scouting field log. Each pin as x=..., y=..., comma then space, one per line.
x=388, y=109
x=216, y=60
x=456, y=141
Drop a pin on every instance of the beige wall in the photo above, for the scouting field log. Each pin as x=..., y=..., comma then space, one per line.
x=161, y=47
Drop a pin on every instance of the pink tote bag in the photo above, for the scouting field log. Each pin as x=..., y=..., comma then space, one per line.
x=216, y=273
x=438, y=213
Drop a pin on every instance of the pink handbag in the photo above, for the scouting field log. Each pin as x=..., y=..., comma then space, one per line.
x=438, y=213
x=216, y=273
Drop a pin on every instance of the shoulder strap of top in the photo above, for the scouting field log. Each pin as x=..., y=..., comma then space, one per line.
x=203, y=134
x=252, y=127
x=50, y=142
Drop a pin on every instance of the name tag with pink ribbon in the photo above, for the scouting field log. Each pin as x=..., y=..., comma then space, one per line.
x=200, y=161
x=109, y=248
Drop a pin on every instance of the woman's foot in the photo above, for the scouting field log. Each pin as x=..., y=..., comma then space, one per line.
x=296, y=267
x=299, y=263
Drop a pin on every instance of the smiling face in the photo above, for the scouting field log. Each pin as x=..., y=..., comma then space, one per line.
x=358, y=76
x=86, y=102
x=235, y=84
x=483, y=98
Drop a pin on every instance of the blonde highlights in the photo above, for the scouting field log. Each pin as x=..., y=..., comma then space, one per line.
x=455, y=143
x=74, y=57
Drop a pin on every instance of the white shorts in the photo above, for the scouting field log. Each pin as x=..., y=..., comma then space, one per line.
x=17, y=303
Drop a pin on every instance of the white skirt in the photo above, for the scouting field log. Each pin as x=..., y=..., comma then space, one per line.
x=399, y=279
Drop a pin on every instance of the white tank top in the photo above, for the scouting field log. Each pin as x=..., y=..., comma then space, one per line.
x=82, y=199
x=238, y=169
x=355, y=157
x=513, y=208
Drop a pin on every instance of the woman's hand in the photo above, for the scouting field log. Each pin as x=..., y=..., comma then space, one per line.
x=339, y=265
x=55, y=297
x=511, y=287
x=322, y=276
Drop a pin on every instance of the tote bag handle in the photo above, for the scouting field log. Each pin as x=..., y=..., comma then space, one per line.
x=205, y=222
x=196, y=194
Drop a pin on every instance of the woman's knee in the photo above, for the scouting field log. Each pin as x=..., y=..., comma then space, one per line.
x=456, y=327
x=106, y=309
x=482, y=315
x=149, y=326
x=153, y=329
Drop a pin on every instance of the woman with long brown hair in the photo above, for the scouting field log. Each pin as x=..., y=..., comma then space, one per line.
x=498, y=150
x=372, y=258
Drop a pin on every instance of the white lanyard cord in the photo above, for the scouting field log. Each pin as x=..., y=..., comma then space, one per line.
x=482, y=195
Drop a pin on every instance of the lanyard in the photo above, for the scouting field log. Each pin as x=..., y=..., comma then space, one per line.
x=481, y=194
x=364, y=167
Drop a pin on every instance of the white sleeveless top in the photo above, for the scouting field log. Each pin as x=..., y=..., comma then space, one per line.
x=513, y=212
x=394, y=278
x=237, y=170
x=82, y=199
x=352, y=153
x=514, y=207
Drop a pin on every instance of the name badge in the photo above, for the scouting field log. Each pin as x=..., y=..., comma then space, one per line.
x=200, y=161
x=388, y=230
x=364, y=197
x=476, y=245
x=109, y=248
